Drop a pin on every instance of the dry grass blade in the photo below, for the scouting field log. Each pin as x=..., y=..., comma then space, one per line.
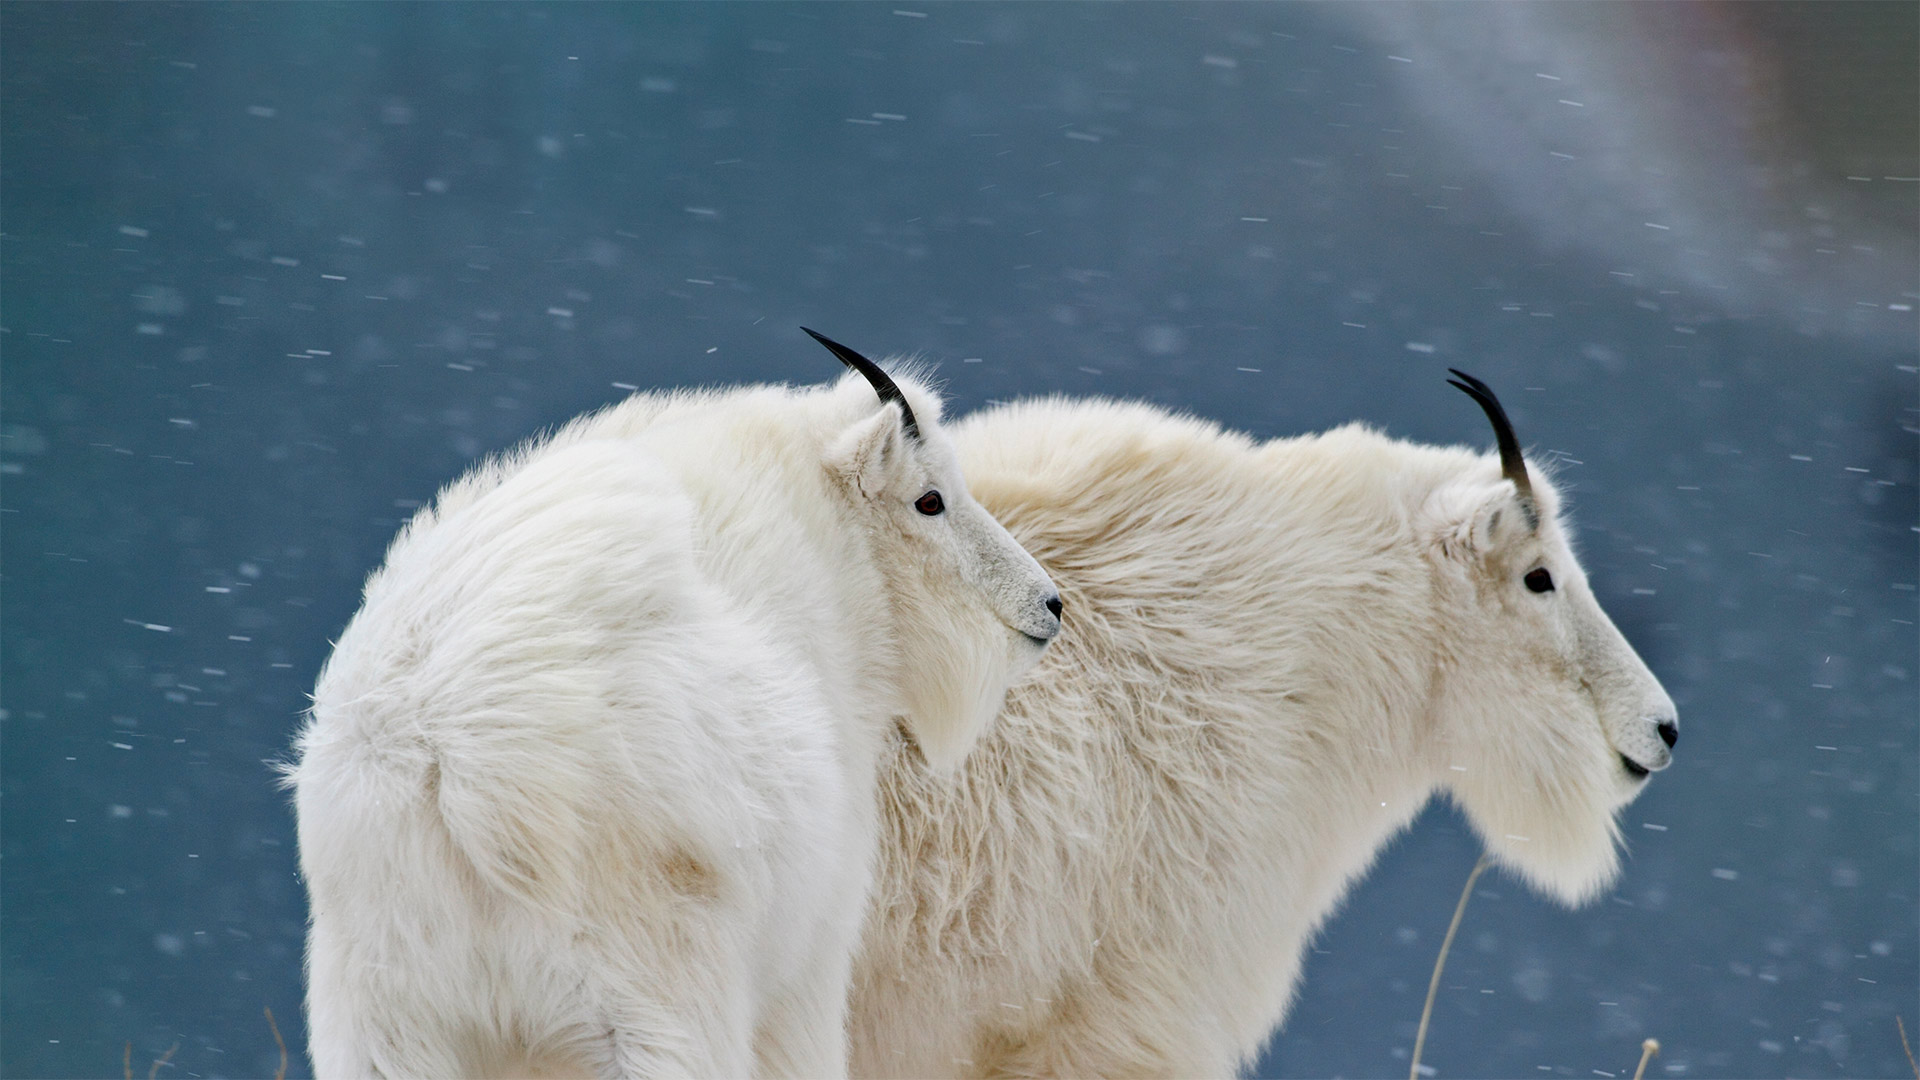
x=162, y=1060
x=277, y=1041
x=1440, y=962
x=1902, y=1025
x=126, y=1060
x=1647, y=1050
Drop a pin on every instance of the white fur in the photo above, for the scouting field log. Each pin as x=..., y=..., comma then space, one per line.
x=1274, y=654
x=588, y=783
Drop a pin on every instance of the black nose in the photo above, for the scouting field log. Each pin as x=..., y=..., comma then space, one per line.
x=1670, y=732
x=1053, y=605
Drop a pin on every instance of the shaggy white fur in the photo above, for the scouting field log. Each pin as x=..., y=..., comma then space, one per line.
x=1275, y=654
x=588, y=782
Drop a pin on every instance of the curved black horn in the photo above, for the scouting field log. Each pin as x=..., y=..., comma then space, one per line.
x=882, y=383
x=1512, y=465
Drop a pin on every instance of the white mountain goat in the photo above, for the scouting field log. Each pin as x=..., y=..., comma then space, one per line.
x=1275, y=653
x=589, y=781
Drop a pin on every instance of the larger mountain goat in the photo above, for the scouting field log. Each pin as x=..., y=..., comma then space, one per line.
x=588, y=785
x=1275, y=654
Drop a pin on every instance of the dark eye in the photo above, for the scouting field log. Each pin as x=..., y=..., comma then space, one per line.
x=930, y=504
x=1539, y=580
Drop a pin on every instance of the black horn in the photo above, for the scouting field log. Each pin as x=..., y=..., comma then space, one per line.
x=1512, y=465
x=882, y=383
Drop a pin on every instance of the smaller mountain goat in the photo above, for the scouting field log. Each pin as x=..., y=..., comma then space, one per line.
x=1276, y=653
x=589, y=782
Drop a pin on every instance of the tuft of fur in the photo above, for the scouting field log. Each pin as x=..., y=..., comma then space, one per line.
x=1275, y=654
x=588, y=782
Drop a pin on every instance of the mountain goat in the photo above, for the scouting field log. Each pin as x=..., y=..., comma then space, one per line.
x=1276, y=652
x=589, y=781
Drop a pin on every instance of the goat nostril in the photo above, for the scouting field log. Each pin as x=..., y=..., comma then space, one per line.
x=1053, y=605
x=1670, y=732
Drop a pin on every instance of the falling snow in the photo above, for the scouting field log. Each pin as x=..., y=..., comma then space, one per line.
x=271, y=281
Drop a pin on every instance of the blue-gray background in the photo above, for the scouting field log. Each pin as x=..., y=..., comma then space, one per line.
x=272, y=274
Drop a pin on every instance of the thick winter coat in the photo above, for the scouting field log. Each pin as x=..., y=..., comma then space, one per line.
x=588, y=783
x=1275, y=653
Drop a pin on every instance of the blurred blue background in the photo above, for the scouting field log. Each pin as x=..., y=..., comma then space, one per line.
x=274, y=273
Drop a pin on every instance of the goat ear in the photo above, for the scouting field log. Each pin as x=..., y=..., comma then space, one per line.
x=1475, y=521
x=868, y=455
x=1503, y=520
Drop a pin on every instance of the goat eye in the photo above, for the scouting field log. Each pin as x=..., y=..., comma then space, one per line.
x=1539, y=580
x=930, y=504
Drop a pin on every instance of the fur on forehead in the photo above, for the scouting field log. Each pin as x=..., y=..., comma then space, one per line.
x=914, y=377
x=1548, y=502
